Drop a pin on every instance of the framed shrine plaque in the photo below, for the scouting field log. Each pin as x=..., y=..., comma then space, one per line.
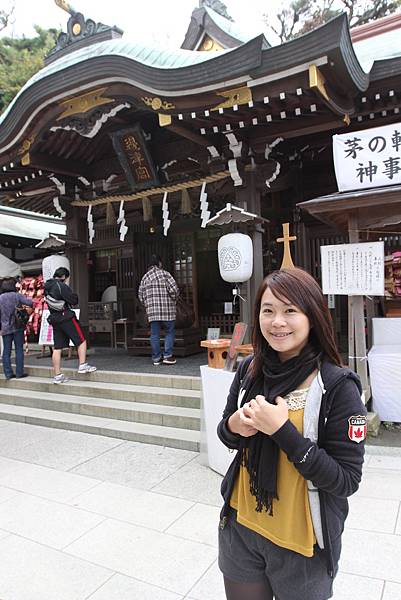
x=132, y=152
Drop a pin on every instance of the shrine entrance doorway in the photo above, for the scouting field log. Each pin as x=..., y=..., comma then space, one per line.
x=179, y=258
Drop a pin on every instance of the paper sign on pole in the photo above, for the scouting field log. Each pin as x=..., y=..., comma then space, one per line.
x=353, y=269
x=46, y=330
x=368, y=158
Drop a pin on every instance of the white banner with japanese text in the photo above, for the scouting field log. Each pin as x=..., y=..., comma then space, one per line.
x=353, y=269
x=368, y=158
x=46, y=330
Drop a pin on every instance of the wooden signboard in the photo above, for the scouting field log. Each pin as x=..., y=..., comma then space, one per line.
x=135, y=159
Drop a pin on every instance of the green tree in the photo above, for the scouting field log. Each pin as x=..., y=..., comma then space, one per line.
x=301, y=16
x=20, y=58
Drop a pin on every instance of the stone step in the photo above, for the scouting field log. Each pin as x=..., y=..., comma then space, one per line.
x=154, y=414
x=184, y=439
x=85, y=385
x=147, y=379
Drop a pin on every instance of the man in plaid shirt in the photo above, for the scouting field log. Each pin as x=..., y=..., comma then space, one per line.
x=158, y=292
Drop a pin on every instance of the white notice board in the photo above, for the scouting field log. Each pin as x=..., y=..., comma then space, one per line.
x=353, y=269
x=368, y=158
x=46, y=330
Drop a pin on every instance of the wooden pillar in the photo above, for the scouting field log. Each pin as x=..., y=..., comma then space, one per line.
x=249, y=198
x=356, y=322
x=77, y=230
x=257, y=239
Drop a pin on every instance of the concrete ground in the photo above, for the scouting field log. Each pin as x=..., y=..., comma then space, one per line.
x=87, y=517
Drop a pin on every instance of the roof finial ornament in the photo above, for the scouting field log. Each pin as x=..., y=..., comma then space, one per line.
x=65, y=6
x=217, y=6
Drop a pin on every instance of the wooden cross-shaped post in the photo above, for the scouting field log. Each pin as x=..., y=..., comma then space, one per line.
x=286, y=239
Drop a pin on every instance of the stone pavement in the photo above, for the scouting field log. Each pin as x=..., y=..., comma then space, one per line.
x=87, y=517
x=117, y=359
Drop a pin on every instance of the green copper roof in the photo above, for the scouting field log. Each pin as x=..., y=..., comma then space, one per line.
x=385, y=45
x=159, y=58
x=233, y=29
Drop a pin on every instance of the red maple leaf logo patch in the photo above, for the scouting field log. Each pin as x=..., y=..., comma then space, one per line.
x=357, y=426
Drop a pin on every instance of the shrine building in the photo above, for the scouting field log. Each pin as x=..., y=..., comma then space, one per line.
x=138, y=148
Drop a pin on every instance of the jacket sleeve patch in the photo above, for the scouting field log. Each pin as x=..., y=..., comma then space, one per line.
x=357, y=428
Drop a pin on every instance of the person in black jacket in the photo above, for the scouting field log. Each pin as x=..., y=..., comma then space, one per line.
x=296, y=418
x=60, y=298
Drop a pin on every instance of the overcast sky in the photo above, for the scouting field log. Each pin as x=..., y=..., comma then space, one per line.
x=162, y=22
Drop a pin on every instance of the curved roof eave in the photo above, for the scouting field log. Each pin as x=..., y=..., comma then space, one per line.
x=385, y=68
x=205, y=20
x=332, y=39
x=83, y=70
x=221, y=28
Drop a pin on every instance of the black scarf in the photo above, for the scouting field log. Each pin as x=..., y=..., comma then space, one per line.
x=259, y=453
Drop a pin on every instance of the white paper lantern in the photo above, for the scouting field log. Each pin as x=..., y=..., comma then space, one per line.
x=51, y=263
x=235, y=253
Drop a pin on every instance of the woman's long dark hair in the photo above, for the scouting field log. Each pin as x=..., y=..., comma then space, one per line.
x=302, y=290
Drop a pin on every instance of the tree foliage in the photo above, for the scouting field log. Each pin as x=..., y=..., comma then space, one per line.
x=300, y=16
x=20, y=58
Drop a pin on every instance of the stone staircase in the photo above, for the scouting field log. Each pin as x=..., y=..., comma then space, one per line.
x=146, y=407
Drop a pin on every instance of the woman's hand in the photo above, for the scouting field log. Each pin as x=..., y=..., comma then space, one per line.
x=263, y=416
x=236, y=424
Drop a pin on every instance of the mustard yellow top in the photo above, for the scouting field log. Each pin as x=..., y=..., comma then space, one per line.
x=291, y=524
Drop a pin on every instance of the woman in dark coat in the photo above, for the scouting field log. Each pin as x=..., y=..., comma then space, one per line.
x=9, y=300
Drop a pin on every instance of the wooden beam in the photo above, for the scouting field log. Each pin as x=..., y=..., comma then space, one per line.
x=291, y=129
x=71, y=168
x=317, y=82
x=201, y=140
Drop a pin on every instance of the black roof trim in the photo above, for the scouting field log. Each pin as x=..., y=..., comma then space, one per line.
x=385, y=68
x=332, y=39
x=202, y=23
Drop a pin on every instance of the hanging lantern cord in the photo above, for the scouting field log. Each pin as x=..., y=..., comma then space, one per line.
x=236, y=294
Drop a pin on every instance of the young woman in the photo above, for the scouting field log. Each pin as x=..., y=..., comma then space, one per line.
x=296, y=417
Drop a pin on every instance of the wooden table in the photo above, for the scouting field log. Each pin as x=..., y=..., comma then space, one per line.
x=126, y=327
x=245, y=349
x=217, y=351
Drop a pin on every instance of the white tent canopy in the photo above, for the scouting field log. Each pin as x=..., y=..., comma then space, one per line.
x=8, y=268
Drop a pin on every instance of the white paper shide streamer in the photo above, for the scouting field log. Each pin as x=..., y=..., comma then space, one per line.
x=121, y=221
x=91, y=229
x=204, y=205
x=166, y=220
x=236, y=149
x=269, y=147
x=56, y=203
x=275, y=174
x=59, y=184
x=268, y=150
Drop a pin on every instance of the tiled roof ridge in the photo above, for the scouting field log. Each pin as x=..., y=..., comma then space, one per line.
x=376, y=27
